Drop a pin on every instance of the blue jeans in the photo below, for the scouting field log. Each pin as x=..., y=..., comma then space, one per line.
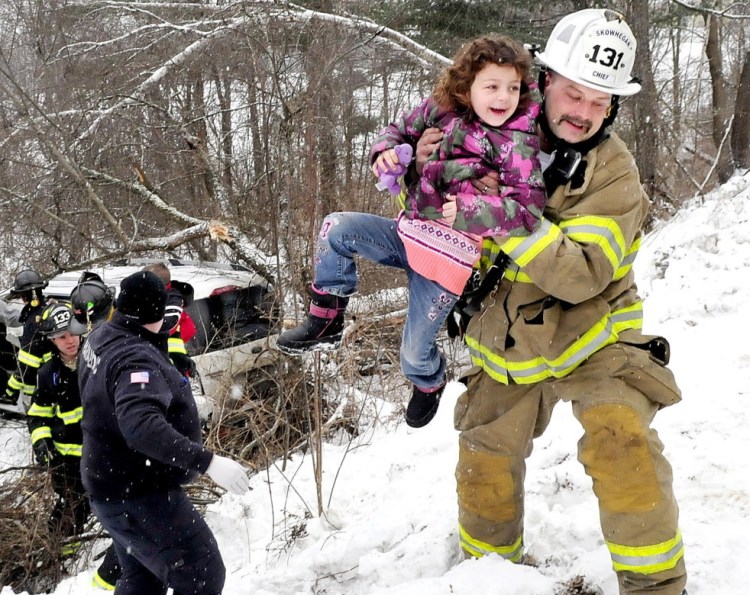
x=161, y=541
x=343, y=235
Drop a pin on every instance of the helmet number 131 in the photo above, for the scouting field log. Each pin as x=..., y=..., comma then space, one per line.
x=610, y=59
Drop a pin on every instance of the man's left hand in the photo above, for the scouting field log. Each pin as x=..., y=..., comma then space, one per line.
x=487, y=184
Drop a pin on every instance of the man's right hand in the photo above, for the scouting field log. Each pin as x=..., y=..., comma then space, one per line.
x=426, y=146
x=44, y=452
x=228, y=474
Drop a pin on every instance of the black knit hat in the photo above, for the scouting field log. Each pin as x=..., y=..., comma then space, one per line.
x=143, y=297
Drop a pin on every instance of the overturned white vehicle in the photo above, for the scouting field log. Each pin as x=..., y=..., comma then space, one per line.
x=233, y=309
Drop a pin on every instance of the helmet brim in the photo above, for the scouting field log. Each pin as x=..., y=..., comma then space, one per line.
x=78, y=328
x=625, y=91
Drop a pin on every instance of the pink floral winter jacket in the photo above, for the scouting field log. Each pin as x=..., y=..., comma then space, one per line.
x=469, y=150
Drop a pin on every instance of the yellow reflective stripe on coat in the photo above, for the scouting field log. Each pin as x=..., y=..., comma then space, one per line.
x=14, y=383
x=524, y=249
x=40, y=434
x=647, y=559
x=70, y=417
x=600, y=231
x=627, y=262
x=489, y=252
x=29, y=359
x=39, y=411
x=512, y=552
x=401, y=199
x=176, y=345
x=514, y=273
x=98, y=581
x=603, y=333
x=71, y=450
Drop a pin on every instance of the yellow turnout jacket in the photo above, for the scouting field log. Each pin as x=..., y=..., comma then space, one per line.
x=569, y=289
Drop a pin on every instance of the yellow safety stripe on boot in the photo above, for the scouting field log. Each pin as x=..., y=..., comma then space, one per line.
x=71, y=450
x=647, y=559
x=29, y=359
x=40, y=434
x=39, y=411
x=176, y=345
x=98, y=581
x=70, y=417
x=603, y=333
x=524, y=249
x=477, y=548
x=599, y=231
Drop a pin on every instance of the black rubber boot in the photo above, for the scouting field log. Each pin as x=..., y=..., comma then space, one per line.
x=422, y=407
x=322, y=327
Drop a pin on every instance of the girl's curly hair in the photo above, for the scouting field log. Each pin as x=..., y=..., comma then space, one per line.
x=452, y=89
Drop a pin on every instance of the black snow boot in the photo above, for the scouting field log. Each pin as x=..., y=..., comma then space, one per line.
x=322, y=327
x=422, y=406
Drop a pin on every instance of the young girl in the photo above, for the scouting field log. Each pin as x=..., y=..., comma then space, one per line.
x=483, y=106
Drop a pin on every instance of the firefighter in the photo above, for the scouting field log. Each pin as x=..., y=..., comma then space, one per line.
x=141, y=444
x=564, y=323
x=93, y=303
x=35, y=348
x=54, y=421
x=177, y=322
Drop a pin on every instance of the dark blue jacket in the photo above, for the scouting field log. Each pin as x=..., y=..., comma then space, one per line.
x=141, y=430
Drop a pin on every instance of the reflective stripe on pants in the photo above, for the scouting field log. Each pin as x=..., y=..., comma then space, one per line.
x=620, y=452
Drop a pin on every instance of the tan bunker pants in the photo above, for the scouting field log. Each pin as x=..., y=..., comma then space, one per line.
x=615, y=395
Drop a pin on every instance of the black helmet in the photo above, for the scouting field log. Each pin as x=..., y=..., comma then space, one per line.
x=27, y=280
x=56, y=319
x=92, y=301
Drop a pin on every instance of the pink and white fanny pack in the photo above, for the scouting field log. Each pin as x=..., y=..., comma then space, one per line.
x=439, y=252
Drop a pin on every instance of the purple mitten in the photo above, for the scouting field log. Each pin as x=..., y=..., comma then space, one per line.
x=389, y=179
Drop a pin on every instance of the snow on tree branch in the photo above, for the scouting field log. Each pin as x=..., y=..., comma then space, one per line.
x=718, y=13
x=255, y=9
x=218, y=231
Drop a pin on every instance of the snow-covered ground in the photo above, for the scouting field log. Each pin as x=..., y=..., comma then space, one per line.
x=389, y=525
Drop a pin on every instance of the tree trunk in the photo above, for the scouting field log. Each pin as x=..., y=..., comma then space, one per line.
x=741, y=130
x=646, y=101
x=720, y=96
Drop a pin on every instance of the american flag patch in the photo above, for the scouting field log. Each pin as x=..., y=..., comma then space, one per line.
x=139, y=378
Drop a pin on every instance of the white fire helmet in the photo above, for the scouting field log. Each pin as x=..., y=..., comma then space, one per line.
x=593, y=47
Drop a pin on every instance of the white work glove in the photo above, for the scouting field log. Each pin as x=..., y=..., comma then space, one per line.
x=228, y=474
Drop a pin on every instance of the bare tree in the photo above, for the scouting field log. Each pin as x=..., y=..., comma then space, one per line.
x=725, y=78
x=646, y=103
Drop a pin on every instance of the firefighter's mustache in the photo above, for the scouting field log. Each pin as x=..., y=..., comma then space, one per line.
x=586, y=124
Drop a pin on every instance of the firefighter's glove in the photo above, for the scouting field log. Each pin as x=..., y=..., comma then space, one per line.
x=228, y=474
x=44, y=452
x=192, y=369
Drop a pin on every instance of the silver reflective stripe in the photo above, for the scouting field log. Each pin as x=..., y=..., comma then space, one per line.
x=532, y=239
x=656, y=559
x=598, y=230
